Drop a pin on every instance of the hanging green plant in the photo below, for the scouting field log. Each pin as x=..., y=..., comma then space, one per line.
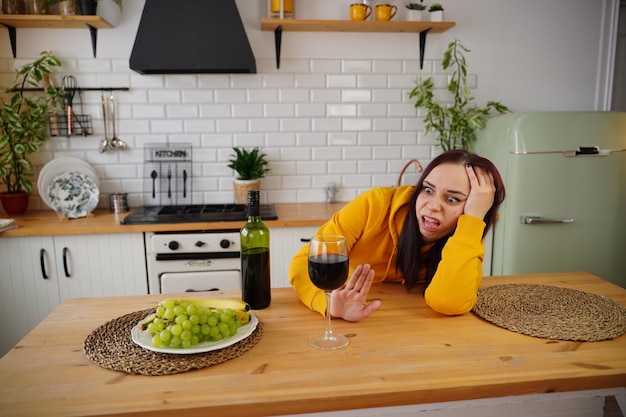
x=455, y=124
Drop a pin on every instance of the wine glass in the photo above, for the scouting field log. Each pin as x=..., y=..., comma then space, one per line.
x=328, y=270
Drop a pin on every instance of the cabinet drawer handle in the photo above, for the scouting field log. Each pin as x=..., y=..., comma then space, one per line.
x=65, y=269
x=42, y=263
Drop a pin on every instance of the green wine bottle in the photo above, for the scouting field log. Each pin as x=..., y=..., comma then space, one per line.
x=255, y=257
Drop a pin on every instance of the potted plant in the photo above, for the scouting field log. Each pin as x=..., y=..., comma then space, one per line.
x=455, y=124
x=436, y=12
x=414, y=12
x=250, y=166
x=22, y=128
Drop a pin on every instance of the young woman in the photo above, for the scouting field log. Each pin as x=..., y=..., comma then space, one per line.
x=429, y=234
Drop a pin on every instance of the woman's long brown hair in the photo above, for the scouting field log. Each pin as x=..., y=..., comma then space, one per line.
x=411, y=240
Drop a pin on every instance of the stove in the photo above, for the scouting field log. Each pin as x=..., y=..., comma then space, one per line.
x=196, y=214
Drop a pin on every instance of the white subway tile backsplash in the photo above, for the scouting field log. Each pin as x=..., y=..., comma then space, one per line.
x=359, y=66
x=341, y=110
x=326, y=95
x=164, y=96
x=199, y=125
x=310, y=81
x=357, y=124
x=295, y=125
x=387, y=67
x=264, y=125
x=262, y=95
x=339, y=81
x=349, y=121
x=229, y=96
x=359, y=96
x=232, y=125
x=325, y=66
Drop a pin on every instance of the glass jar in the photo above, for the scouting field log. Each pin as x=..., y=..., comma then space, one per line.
x=273, y=7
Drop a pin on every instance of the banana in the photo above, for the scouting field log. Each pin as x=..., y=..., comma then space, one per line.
x=243, y=316
x=219, y=303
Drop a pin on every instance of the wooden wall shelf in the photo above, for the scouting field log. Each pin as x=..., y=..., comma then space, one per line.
x=298, y=25
x=32, y=21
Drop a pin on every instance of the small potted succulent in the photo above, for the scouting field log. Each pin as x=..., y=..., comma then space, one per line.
x=436, y=12
x=414, y=12
x=23, y=120
x=250, y=166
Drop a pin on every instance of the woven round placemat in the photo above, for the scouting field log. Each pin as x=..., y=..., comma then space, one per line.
x=551, y=312
x=111, y=346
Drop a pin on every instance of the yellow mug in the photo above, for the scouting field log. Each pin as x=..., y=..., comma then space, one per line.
x=360, y=11
x=385, y=11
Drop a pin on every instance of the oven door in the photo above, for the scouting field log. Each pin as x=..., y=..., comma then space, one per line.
x=178, y=282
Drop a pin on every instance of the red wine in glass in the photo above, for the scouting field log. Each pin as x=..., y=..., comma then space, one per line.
x=328, y=270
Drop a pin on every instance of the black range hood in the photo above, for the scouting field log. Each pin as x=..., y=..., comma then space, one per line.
x=191, y=37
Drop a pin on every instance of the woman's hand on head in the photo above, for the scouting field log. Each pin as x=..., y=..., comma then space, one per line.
x=482, y=192
x=350, y=301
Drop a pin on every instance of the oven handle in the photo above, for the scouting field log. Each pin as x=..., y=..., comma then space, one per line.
x=196, y=256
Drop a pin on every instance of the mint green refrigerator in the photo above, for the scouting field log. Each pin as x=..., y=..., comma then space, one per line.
x=565, y=206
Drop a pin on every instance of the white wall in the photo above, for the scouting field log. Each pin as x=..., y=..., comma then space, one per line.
x=338, y=109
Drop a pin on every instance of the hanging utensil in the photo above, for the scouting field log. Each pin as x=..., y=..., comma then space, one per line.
x=69, y=85
x=153, y=175
x=116, y=142
x=169, y=182
x=104, y=143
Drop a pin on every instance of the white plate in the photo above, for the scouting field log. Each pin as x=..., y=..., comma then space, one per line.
x=59, y=166
x=144, y=339
x=73, y=194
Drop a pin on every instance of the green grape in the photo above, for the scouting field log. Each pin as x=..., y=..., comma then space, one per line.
x=159, y=311
x=165, y=335
x=175, y=341
x=194, y=319
x=177, y=329
x=224, y=330
x=195, y=329
x=153, y=327
x=169, y=314
x=212, y=320
x=215, y=334
x=181, y=318
x=179, y=310
x=156, y=341
x=186, y=324
x=192, y=309
x=202, y=318
x=205, y=329
x=195, y=340
x=185, y=335
x=186, y=344
x=169, y=303
x=226, y=318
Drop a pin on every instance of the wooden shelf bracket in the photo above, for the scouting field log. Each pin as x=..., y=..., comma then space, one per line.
x=14, y=21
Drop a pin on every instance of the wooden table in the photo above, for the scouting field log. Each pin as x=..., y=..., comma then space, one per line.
x=405, y=354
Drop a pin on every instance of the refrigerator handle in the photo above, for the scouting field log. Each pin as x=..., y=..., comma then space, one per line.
x=541, y=220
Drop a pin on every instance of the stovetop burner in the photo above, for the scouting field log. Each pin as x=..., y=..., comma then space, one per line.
x=196, y=213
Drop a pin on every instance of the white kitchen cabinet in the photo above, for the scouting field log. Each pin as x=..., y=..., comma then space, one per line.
x=37, y=273
x=284, y=244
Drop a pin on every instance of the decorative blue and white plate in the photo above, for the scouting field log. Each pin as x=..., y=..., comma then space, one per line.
x=73, y=194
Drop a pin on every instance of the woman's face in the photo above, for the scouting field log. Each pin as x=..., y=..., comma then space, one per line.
x=441, y=200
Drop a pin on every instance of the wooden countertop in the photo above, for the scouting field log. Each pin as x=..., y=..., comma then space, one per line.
x=404, y=354
x=38, y=223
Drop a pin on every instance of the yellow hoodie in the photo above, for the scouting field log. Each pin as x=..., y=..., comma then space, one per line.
x=371, y=224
